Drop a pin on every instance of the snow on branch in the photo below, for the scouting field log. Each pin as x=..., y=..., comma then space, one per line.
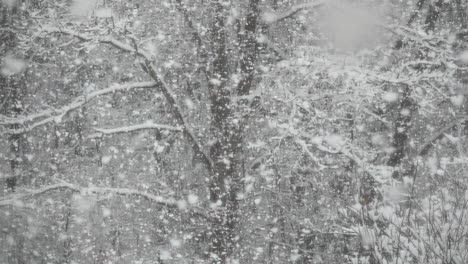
x=176, y=109
x=417, y=37
x=55, y=115
x=317, y=142
x=127, y=129
x=273, y=17
x=149, y=68
x=106, y=39
x=438, y=135
x=16, y=198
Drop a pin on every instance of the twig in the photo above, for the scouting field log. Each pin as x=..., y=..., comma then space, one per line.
x=271, y=18
x=171, y=99
x=13, y=198
x=107, y=40
x=439, y=134
x=182, y=9
x=51, y=115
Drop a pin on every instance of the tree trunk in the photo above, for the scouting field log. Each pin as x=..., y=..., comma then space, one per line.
x=227, y=151
x=407, y=106
x=220, y=112
x=14, y=140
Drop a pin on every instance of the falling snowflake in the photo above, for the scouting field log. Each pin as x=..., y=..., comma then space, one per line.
x=192, y=199
x=463, y=57
x=390, y=97
x=11, y=66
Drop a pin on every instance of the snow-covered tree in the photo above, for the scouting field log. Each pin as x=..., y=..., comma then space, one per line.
x=233, y=131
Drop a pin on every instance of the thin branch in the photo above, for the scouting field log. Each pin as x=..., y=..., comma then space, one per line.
x=407, y=33
x=317, y=143
x=416, y=12
x=26, y=194
x=404, y=32
x=371, y=113
x=183, y=9
x=133, y=128
x=148, y=67
x=270, y=46
x=16, y=198
x=54, y=115
x=106, y=40
x=271, y=18
x=180, y=6
x=438, y=135
x=171, y=99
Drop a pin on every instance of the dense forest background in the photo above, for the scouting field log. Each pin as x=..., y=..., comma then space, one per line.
x=223, y=131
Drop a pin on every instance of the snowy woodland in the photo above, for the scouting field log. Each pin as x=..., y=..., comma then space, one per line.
x=234, y=131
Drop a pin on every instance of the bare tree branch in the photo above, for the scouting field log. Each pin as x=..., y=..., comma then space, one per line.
x=107, y=40
x=171, y=99
x=428, y=41
x=196, y=37
x=438, y=135
x=407, y=33
x=271, y=18
x=54, y=115
x=271, y=47
x=317, y=143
